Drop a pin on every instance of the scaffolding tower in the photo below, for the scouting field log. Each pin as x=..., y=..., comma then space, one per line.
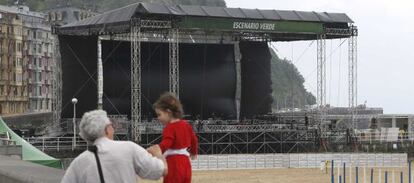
x=137, y=25
x=321, y=75
x=352, y=74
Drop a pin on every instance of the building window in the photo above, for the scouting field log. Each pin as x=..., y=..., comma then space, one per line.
x=40, y=35
x=58, y=16
x=51, y=17
x=18, y=62
x=19, y=47
x=18, y=78
x=37, y=76
x=64, y=15
x=76, y=14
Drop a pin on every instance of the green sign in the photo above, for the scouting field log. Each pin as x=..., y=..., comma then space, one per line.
x=229, y=24
x=261, y=26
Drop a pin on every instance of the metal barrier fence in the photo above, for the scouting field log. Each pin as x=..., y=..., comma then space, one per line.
x=382, y=137
x=5, y=141
x=56, y=143
x=260, y=161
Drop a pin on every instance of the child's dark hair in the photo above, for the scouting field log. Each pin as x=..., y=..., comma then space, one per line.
x=169, y=101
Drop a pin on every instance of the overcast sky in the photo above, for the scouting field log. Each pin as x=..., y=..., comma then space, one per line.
x=385, y=51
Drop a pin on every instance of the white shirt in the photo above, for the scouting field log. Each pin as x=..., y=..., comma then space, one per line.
x=121, y=162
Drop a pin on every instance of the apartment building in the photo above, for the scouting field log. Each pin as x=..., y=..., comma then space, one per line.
x=67, y=14
x=27, y=61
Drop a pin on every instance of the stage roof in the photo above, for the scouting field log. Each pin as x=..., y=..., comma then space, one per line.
x=221, y=19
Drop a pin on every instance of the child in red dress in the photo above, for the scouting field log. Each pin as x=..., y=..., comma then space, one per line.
x=179, y=142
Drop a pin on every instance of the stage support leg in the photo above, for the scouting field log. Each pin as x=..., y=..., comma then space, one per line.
x=135, y=78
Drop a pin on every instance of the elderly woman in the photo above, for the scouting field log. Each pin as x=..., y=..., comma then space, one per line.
x=120, y=161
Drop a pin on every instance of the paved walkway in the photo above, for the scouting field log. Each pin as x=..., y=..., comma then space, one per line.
x=18, y=171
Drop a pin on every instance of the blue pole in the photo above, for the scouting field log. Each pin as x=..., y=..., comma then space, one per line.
x=409, y=171
x=332, y=172
x=344, y=173
x=402, y=177
x=386, y=177
x=340, y=179
x=372, y=175
x=356, y=174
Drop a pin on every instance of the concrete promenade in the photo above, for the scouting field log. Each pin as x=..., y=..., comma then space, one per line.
x=13, y=170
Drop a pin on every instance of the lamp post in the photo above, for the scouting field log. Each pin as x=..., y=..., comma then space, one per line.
x=74, y=101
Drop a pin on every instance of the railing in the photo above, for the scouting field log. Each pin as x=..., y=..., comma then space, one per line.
x=383, y=137
x=200, y=127
x=296, y=160
x=121, y=125
x=5, y=141
x=56, y=143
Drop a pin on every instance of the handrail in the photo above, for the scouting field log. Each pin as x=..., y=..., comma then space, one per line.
x=56, y=143
x=6, y=141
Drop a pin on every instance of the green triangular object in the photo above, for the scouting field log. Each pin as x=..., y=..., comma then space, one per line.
x=29, y=152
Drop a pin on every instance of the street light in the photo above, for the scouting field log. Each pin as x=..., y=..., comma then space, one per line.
x=74, y=101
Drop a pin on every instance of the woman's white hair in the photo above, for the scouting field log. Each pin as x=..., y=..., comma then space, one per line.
x=92, y=125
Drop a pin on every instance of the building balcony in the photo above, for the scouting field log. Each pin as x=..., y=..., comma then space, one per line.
x=3, y=98
x=38, y=68
x=21, y=98
x=35, y=96
x=49, y=95
x=48, y=68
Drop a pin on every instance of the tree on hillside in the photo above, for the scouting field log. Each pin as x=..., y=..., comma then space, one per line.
x=287, y=85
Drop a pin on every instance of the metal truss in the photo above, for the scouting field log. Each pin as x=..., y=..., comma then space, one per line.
x=161, y=36
x=352, y=73
x=256, y=142
x=135, y=35
x=242, y=128
x=321, y=74
x=100, y=73
x=57, y=85
x=155, y=24
x=251, y=142
x=237, y=58
x=156, y=127
x=156, y=28
x=174, y=62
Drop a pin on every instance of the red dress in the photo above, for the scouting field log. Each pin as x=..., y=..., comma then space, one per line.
x=179, y=135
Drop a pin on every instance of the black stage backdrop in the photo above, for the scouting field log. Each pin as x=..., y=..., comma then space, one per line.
x=207, y=77
x=79, y=63
x=256, y=92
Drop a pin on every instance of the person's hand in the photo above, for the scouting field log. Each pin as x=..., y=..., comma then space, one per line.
x=193, y=156
x=155, y=150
